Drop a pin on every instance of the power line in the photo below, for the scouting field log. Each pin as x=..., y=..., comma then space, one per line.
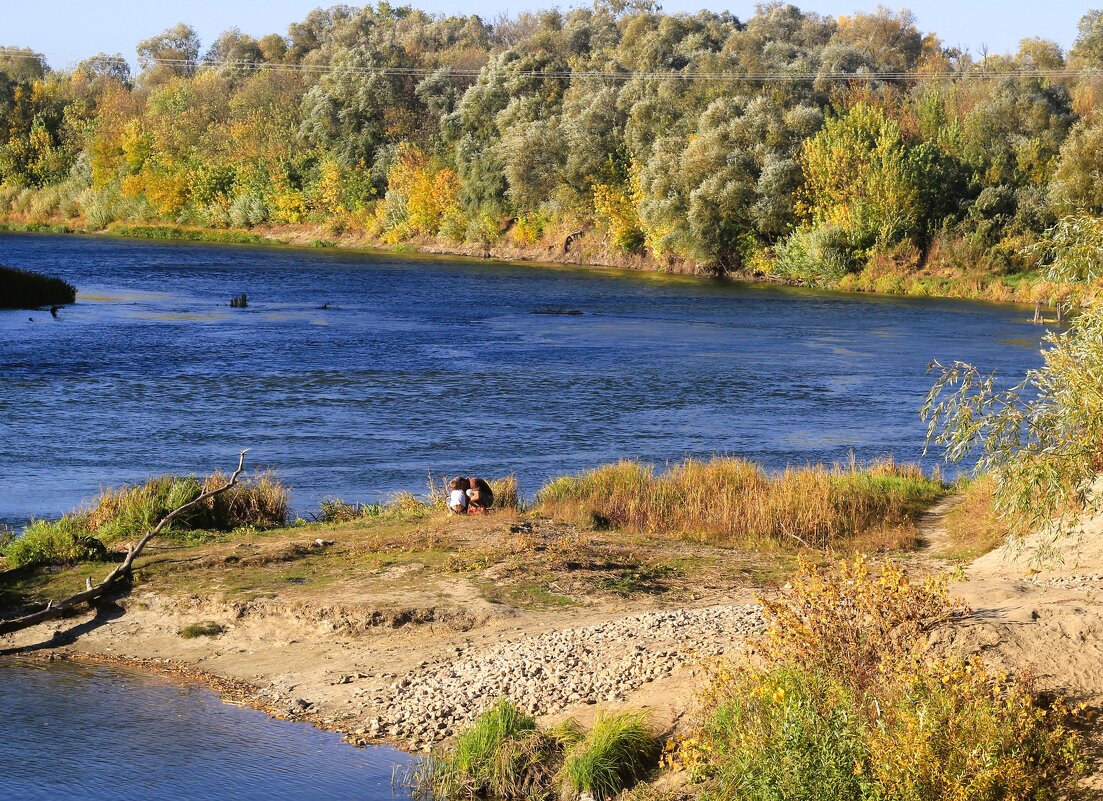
x=611, y=75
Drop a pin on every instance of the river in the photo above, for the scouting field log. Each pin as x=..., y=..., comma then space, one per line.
x=441, y=365
x=77, y=732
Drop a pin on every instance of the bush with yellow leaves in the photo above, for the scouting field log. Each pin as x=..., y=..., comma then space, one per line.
x=841, y=702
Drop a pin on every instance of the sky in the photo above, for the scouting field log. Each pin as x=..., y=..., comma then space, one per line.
x=68, y=30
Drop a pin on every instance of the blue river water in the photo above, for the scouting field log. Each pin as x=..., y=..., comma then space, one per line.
x=423, y=365
x=76, y=732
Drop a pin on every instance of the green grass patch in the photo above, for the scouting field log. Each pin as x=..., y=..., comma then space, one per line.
x=616, y=753
x=24, y=289
x=205, y=628
x=174, y=233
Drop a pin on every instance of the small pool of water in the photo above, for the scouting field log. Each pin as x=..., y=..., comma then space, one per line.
x=72, y=732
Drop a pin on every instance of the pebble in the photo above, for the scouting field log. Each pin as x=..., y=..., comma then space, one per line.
x=550, y=672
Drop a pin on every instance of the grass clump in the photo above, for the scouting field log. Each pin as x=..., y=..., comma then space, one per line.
x=65, y=541
x=260, y=501
x=126, y=512
x=502, y=755
x=733, y=501
x=24, y=289
x=842, y=702
x=505, y=755
x=206, y=628
x=617, y=752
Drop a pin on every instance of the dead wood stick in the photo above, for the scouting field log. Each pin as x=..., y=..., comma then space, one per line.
x=120, y=574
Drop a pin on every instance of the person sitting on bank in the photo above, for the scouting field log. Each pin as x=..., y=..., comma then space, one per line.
x=479, y=496
x=457, y=495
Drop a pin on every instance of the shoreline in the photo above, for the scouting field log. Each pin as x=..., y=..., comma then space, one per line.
x=389, y=657
x=312, y=237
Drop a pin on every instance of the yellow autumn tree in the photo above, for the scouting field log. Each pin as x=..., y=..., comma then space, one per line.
x=857, y=178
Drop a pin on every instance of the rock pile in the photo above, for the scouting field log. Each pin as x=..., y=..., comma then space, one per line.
x=550, y=672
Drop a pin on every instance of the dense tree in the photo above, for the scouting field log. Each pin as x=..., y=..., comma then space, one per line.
x=784, y=142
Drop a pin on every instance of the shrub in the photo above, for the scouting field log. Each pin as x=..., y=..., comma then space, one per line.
x=820, y=255
x=731, y=500
x=23, y=289
x=64, y=541
x=616, y=753
x=843, y=703
x=846, y=621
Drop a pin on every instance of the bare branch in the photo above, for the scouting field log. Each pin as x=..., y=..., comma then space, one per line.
x=121, y=574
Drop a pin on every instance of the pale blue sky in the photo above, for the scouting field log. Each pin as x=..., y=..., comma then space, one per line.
x=69, y=30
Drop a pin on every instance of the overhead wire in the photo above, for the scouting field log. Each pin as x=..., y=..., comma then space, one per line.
x=972, y=73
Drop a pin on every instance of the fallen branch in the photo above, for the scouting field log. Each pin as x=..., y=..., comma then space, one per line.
x=121, y=574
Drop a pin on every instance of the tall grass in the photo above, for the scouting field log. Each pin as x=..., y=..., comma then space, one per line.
x=23, y=289
x=260, y=501
x=505, y=755
x=731, y=500
x=617, y=752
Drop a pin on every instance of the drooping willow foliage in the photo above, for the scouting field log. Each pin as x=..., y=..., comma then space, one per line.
x=1042, y=439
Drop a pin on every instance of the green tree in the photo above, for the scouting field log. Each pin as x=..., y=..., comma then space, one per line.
x=1042, y=439
x=172, y=53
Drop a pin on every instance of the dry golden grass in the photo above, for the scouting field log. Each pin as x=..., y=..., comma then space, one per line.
x=735, y=502
x=972, y=526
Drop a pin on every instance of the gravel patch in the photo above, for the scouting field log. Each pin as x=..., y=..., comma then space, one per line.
x=548, y=673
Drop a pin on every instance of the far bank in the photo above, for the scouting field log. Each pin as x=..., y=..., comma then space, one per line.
x=907, y=272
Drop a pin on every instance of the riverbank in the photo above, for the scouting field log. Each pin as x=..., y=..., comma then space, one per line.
x=402, y=631
x=590, y=249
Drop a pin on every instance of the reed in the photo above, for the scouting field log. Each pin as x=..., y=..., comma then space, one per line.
x=729, y=500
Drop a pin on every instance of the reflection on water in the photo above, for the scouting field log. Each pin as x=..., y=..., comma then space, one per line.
x=440, y=364
x=75, y=732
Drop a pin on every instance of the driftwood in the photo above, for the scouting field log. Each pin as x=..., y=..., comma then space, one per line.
x=121, y=574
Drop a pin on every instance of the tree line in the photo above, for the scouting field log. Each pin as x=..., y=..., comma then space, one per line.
x=821, y=149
